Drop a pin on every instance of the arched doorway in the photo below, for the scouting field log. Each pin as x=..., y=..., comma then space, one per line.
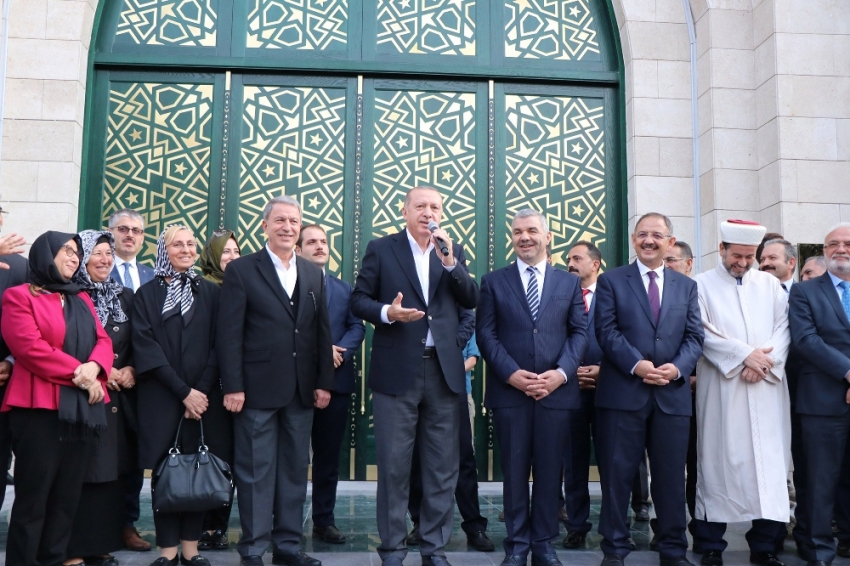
x=200, y=110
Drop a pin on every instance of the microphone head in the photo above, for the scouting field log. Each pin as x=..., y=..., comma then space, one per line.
x=432, y=226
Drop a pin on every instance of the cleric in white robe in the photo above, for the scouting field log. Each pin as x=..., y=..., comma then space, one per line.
x=743, y=412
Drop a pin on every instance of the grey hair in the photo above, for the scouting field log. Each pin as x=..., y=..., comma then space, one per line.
x=836, y=227
x=818, y=259
x=790, y=251
x=667, y=221
x=282, y=199
x=529, y=213
x=125, y=212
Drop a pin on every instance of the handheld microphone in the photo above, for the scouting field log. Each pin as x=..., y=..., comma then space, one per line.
x=443, y=248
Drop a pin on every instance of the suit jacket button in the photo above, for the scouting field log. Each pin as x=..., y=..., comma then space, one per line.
x=423, y=340
x=658, y=339
x=296, y=331
x=429, y=317
x=114, y=329
x=535, y=331
x=116, y=356
x=114, y=409
x=293, y=354
x=291, y=304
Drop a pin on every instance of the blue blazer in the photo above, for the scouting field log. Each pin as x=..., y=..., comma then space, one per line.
x=347, y=331
x=145, y=274
x=820, y=332
x=510, y=340
x=628, y=334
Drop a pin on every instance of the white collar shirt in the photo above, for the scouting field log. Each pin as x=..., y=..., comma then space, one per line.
x=525, y=276
x=659, y=280
x=134, y=271
x=288, y=277
x=588, y=297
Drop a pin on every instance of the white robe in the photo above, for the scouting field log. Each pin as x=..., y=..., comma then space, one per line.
x=743, y=429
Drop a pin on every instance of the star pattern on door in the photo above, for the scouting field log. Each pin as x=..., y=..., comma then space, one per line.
x=547, y=29
x=167, y=22
x=435, y=27
x=312, y=25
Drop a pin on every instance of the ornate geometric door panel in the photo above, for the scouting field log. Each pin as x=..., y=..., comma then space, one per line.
x=160, y=154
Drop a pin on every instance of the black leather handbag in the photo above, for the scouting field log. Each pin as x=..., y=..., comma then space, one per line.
x=188, y=483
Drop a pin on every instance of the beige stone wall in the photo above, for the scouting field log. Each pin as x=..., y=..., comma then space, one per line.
x=46, y=61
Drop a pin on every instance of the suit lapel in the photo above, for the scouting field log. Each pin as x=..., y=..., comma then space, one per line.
x=435, y=271
x=401, y=247
x=515, y=283
x=266, y=267
x=669, y=288
x=549, y=282
x=636, y=283
x=832, y=298
x=305, y=301
x=328, y=289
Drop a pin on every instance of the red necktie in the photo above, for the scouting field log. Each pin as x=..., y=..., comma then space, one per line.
x=584, y=294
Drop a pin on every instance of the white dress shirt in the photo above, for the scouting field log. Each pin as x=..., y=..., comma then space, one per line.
x=588, y=298
x=288, y=277
x=659, y=279
x=525, y=277
x=422, y=262
x=134, y=271
x=835, y=284
x=786, y=285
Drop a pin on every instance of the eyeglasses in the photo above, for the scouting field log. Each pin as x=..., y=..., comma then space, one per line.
x=183, y=245
x=126, y=229
x=657, y=236
x=70, y=252
x=835, y=245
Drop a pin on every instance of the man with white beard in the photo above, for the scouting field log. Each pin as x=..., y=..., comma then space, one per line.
x=743, y=418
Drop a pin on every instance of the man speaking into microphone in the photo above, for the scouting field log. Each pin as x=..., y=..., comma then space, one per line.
x=415, y=295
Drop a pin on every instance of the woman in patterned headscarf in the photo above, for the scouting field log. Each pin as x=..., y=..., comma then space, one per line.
x=173, y=344
x=98, y=524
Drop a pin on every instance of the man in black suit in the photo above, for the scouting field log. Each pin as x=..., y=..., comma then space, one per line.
x=532, y=332
x=329, y=424
x=819, y=317
x=276, y=357
x=584, y=259
x=416, y=370
x=648, y=325
x=13, y=271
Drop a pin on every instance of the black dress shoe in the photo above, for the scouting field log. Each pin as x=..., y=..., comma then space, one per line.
x=107, y=560
x=251, y=561
x=642, y=515
x=612, y=560
x=653, y=544
x=562, y=514
x=514, y=560
x=219, y=540
x=676, y=561
x=545, y=560
x=765, y=559
x=414, y=538
x=205, y=542
x=163, y=561
x=712, y=558
x=196, y=560
x=843, y=549
x=479, y=541
x=502, y=516
x=574, y=539
x=299, y=558
x=329, y=534
x=631, y=543
x=435, y=561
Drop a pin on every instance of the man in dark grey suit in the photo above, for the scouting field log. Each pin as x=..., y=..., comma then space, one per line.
x=819, y=318
x=416, y=370
x=276, y=361
x=330, y=423
x=532, y=332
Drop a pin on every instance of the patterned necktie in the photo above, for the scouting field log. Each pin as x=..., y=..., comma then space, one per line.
x=128, y=281
x=845, y=297
x=654, y=296
x=584, y=293
x=531, y=294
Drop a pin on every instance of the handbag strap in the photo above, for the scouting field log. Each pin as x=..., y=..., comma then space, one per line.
x=175, y=449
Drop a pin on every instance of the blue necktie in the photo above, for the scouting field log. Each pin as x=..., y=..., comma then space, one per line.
x=845, y=297
x=128, y=281
x=531, y=294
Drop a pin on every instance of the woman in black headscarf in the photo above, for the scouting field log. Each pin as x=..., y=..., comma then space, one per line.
x=54, y=398
x=98, y=525
x=173, y=336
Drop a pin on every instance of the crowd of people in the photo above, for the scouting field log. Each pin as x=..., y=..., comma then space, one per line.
x=731, y=386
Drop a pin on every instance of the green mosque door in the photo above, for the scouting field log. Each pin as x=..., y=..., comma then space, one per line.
x=200, y=111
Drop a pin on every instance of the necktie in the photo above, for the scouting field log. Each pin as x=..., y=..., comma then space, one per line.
x=654, y=296
x=531, y=294
x=128, y=281
x=584, y=293
x=845, y=297
x=740, y=280
x=784, y=288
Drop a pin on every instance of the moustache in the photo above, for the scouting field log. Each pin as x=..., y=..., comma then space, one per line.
x=768, y=268
x=572, y=270
x=649, y=247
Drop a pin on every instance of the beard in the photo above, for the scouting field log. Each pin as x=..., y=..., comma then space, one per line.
x=839, y=267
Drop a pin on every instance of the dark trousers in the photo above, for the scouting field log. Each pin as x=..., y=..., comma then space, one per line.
x=218, y=519
x=430, y=407
x=623, y=436
x=171, y=528
x=691, y=464
x=640, y=487
x=133, y=483
x=761, y=537
x=582, y=427
x=48, y=482
x=329, y=426
x=800, y=478
x=5, y=450
x=271, y=459
x=825, y=451
x=466, y=492
x=532, y=439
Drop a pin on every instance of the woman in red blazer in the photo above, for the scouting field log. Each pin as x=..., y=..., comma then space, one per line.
x=54, y=398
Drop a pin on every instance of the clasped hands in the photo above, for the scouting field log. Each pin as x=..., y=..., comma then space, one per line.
x=651, y=375
x=85, y=377
x=124, y=378
x=536, y=385
x=757, y=365
x=234, y=402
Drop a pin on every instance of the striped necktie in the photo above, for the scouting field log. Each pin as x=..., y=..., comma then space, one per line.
x=845, y=297
x=128, y=281
x=532, y=294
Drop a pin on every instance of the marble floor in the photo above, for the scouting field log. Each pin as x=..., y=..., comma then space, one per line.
x=355, y=517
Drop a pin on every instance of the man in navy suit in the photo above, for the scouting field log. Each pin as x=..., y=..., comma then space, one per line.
x=532, y=331
x=648, y=326
x=416, y=370
x=329, y=424
x=128, y=227
x=584, y=259
x=819, y=318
